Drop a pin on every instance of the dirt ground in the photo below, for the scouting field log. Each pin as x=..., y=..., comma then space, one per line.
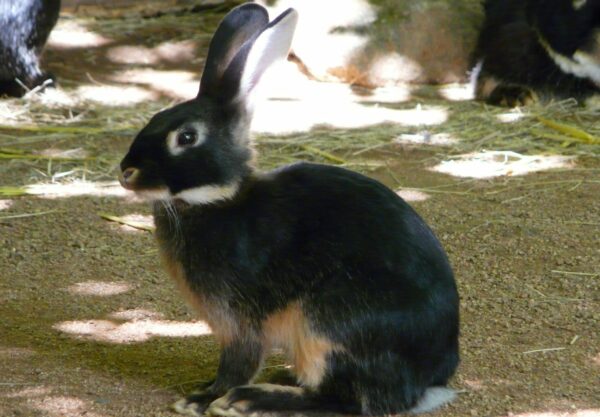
x=91, y=326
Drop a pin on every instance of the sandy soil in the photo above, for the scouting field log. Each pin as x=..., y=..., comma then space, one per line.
x=91, y=326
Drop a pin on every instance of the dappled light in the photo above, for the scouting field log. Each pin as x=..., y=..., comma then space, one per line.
x=177, y=84
x=6, y=204
x=489, y=164
x=426, y=138
x=282, y=117
x=574, y=413
x=77, y=188
x=75, y=153
x=457, y=92
x=412, y=195
x=173, y=52
x=394, y=66
x=61, y=406
x=69, y=34
x=99, y=288
x=93, y=327
x=511, y=116
x=29, y=392
x=112, y=95
x=136, y=330
x=135, y=314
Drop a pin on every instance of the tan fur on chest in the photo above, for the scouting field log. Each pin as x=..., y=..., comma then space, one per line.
x=290, y=330
x=218, y=317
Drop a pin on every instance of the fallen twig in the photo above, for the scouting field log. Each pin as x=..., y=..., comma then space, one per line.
x=130, y=223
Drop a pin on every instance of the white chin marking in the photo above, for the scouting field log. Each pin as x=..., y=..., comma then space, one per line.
x=207, y=194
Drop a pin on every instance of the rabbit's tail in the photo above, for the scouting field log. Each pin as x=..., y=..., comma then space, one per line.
x=433, y=398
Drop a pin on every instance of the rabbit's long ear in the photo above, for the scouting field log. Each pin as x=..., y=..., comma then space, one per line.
x=255, y=56
x=240, y=25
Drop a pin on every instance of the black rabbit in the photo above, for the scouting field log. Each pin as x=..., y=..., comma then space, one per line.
x=24, y=29
x=329, y=264
x=540, y=49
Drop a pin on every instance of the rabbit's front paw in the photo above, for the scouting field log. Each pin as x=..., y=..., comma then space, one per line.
x=512, y=96
x=194, y=404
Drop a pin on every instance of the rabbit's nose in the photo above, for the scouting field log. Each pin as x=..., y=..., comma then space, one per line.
x=128, y=177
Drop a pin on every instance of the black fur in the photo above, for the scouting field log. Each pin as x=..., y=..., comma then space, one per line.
x=369, y=277
x=513, y=49
x=24, y=28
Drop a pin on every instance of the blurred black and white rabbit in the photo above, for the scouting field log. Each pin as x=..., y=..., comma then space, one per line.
x=326, y=263
x=538, y=48
x=24, y=29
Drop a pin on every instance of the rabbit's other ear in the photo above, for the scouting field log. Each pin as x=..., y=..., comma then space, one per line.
x=255, y=57
x=241, y=24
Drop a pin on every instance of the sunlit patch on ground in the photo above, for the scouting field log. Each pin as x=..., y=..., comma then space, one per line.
x=77, y=188
x=69, y=34
x=285, y=82
x=6, y=204
x=282, y=117
x=175, y=52
x=29, y=392
x=426, y=138
x=132, y=331
x=99, y=288
x=596, y=360
x=76, y=153
x=297, y=104
x=59, y=406
x=177, y=84
x=577, y=413
x=394, y=66
x=512, y=116
x=489, y=164
x=112, y=95
x=457, y=92
x=412, y=195
x=135, y=314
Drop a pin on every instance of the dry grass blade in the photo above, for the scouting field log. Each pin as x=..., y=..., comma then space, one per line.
x=130, y=223
x=543, y=350
x=33, y=156
x=25, y=215
x=326, y=155
x=571, y=131
x=13, y=191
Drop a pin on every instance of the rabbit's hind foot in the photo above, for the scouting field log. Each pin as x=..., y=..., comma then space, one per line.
x=194, y=404
x=244, y=400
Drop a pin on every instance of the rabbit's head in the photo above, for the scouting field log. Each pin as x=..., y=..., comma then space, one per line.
x=198, y=151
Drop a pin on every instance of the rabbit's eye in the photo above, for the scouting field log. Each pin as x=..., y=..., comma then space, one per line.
x=186, y=138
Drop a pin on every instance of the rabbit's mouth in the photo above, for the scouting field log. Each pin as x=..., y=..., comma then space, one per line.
x=130, y=179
